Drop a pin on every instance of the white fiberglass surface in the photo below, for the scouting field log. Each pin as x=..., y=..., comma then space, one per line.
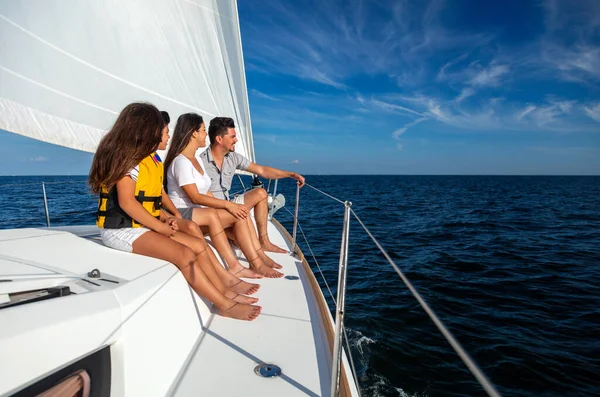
x=288, y=333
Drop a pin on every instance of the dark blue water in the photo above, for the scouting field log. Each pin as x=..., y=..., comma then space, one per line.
x=510, y=264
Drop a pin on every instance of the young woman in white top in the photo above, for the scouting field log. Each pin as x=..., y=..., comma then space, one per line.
x=188, y=186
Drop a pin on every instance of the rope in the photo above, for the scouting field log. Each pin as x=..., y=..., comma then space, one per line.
x=471, y=365
x=322, y=192
x=313, y=256
x=351, y=359
x=483, y=380
x=334, y=302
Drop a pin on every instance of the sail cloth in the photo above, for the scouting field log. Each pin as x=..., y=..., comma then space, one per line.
x=68, y=67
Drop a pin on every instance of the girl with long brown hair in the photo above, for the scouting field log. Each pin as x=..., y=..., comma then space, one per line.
x=128, y=174
x=188, y=187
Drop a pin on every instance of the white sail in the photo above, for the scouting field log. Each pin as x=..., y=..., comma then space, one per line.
x=67, y=67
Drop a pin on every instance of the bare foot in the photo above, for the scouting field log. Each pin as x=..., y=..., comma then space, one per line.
x=244, y=272
x=259, y=266
x=241, y=311
x=268, y=272
x=242, y=287
x=268, y=261
x=270, y=247
x=234, y=296
x=271, y=263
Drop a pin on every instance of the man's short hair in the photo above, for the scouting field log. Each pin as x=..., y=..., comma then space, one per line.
x=165, y=117
x=219, y=127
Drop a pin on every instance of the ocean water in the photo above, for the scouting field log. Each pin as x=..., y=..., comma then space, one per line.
x=510, y=264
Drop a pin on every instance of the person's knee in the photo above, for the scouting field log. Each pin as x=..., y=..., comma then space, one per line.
x=192, y=229
x=199, y=245
x=261, y=194
x=213, y=216
x=187, y=258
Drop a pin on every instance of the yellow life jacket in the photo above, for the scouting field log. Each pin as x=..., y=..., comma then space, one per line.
x=148, y=191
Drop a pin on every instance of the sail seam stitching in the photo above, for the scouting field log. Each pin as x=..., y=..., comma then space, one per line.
x=99, y=69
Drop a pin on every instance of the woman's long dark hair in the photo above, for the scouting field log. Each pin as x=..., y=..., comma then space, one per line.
x=186, y=125
x=134, y=136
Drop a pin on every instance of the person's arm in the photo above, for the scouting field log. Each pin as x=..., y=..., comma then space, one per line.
x=133, y=208
x=237, y=210
x=169, y=206
x=274, y=173
x=183, y=176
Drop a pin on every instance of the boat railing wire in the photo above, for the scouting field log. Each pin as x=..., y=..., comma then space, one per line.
x=330, y=294
x=465, y=357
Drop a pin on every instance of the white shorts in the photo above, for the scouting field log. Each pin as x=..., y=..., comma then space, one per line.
x=239, y=199
x=122, y=239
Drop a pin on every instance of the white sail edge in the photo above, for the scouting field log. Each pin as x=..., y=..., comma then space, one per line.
x=71, y=66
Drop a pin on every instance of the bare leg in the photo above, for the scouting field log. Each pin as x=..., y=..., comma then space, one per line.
x=208, y=217
x=158, y=246
x=257, y=199
x=244, y=240
x=232, y=282
x=260, y=250
x=200, y=248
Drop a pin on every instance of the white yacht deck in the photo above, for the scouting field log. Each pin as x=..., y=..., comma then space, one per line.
x=163, y=338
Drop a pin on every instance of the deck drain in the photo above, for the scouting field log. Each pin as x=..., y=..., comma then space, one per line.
x=291, y=277
x=267, y=370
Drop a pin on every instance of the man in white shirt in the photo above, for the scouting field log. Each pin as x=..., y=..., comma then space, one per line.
x=221, y=162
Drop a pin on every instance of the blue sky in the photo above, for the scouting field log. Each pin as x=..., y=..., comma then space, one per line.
x=408, y=87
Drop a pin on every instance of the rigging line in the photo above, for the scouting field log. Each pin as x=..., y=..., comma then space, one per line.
x=55, y=90
x=313, y=256
x=334, y=302
x=351, y=360
x=322, y=192
x=104, y=72
x=473, y=367
x=317, y=263
x=207, y=9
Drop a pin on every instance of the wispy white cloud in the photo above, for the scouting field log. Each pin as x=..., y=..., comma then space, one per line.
x=524, y=112
x=593, y=111
x=441, y=76
x=397, y=133
x=470, y=81
x=464, y=94
x=489, y=77
x=38, y=159
x=338, y=40
x=265, y=137
x=295, y=162
x=259, y=94
x=394, y=107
